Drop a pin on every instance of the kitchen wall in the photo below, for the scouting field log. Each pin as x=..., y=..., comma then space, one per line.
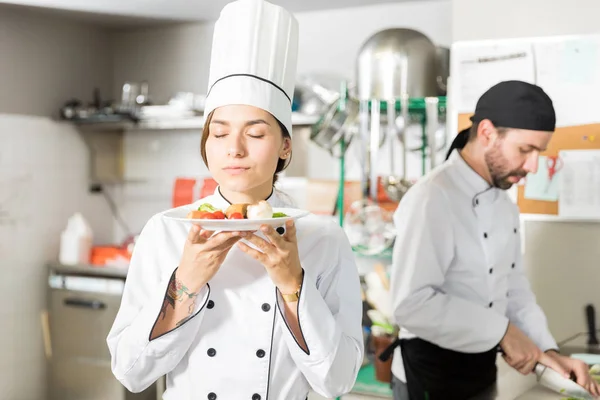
x=47, y=61
x=495, y=19
x=177, y=58
x=561, y=257
x=43, y=174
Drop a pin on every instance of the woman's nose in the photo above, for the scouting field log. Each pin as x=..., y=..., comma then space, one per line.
x=235, y=147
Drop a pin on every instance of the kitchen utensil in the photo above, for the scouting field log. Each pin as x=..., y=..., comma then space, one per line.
x=554, y=381
x=392, y=183
x=396, y=187
x=442, y=69
x=315, y=93
x=142, y=98
x=590, y=314
x=374, y=148
x=335, y=125
x=431, y=127
x=129, y=93
x=179, y=214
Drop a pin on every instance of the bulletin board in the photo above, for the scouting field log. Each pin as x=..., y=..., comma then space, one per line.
x=560, y=65
x=583, y=137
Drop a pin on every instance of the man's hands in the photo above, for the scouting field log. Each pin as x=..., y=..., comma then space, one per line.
x=522, y=354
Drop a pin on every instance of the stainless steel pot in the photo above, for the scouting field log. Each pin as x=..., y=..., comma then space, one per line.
x=394, y=62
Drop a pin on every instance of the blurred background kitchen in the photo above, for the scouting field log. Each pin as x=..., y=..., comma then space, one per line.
x=100, y=118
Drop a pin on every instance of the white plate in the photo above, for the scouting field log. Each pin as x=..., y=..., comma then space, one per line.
x=237, y=224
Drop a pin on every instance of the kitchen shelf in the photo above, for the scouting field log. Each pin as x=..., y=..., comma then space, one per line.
x=169, y=124
x=88, y=270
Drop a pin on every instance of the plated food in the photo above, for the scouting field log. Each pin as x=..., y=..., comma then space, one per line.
x=260, y=210
x=236, y=217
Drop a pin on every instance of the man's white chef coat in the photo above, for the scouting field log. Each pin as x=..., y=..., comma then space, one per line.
x=457, y=276
x=238, y=345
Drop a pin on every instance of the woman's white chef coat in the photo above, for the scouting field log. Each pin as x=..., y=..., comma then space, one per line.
x=238, y=345
x=457, y=276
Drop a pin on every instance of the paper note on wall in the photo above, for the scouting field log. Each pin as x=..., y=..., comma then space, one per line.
x=481, y=66
x=539, y=186
x=579, y=194
x=568, y=70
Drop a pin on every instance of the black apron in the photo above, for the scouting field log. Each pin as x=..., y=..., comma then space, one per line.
x=435, y=373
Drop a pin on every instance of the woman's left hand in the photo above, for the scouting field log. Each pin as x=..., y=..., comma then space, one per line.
x=279, y=255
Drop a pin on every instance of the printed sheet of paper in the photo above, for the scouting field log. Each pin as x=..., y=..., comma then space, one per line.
x=481, y=66
x=579, y=189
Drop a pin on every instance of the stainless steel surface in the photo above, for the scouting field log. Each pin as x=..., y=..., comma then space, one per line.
x=551, y=379
x=396, y=61
x=391, y=133
x=443, y=69
x=395, y=186
x=79, y=360
x=374, y=148
x=362, y=147
x=315, y=93
x=431, y=127
x=578, y=344
x=88, y=270
x=334, y=126
x=404, y=111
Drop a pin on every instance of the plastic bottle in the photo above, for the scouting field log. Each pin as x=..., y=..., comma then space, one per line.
x=76, y=242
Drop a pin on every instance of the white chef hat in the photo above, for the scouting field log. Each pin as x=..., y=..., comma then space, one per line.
x=254, y=57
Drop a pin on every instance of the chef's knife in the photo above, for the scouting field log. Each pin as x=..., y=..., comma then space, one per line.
x=551, y=379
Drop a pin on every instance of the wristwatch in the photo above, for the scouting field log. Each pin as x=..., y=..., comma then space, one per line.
x=290, y=298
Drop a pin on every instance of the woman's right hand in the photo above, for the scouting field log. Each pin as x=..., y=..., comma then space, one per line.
x=203, y=255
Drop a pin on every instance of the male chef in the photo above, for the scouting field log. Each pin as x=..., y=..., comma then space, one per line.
x=459, y=290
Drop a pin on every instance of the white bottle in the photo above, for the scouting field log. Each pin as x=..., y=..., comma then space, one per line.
x=76, y=242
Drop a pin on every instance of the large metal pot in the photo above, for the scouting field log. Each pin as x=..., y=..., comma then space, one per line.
x=395, y=62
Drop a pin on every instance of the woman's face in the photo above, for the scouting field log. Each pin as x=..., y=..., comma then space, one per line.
x=243, y=147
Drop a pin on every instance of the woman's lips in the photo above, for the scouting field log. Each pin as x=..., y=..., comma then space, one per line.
x=235, y=170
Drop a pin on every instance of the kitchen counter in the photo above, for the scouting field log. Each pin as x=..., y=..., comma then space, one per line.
x=88, y=270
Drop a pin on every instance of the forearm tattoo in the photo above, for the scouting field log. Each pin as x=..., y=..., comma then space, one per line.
x=178, y=292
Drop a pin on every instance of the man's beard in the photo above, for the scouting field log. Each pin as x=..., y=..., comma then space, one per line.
x=496, y=163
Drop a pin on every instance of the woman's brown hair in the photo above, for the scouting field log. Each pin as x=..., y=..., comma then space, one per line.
x=282, y=163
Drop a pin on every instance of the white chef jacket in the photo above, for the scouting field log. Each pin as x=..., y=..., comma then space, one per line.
x=457, y=276
x=238, y=345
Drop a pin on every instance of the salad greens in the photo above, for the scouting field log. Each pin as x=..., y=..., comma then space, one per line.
x=207, y=207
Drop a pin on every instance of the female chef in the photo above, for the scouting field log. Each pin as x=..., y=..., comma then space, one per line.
x=241, y=315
